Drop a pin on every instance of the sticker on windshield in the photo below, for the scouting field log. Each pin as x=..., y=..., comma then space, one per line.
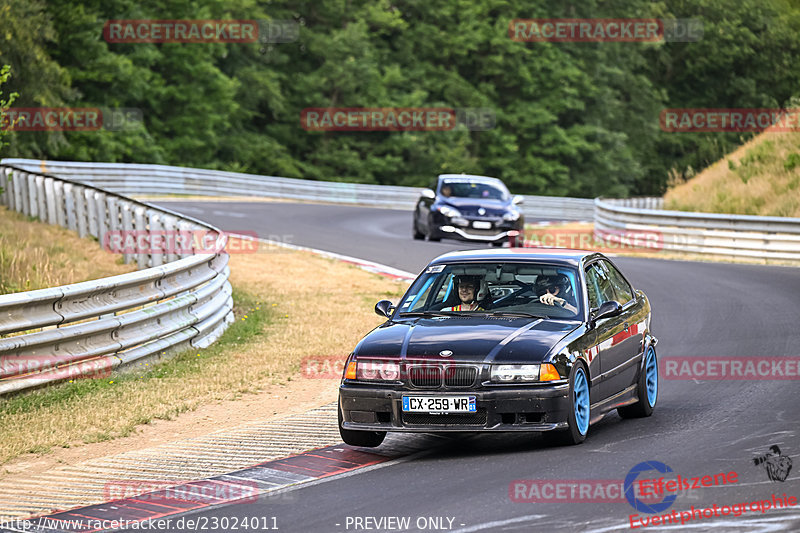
x=434, y=269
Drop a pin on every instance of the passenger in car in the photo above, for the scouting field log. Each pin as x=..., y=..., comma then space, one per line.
x=468, y=293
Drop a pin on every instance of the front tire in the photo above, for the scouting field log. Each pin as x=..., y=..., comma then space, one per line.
x=432, y=235
x=647, y=389
x=418, y=235
x=579, y=412
x=366, y=439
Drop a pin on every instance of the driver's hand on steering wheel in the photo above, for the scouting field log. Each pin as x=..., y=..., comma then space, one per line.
x=552, y=299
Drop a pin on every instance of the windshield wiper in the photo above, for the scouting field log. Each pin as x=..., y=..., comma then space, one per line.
x=516, y=313
x=423, y=313
x=440, y=313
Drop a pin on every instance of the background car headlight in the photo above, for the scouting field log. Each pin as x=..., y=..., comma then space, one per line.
x=377, y=370
x=448, y=211
x=511, y=216
x=512, y=373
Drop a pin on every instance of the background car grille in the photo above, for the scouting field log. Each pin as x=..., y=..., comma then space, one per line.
x=435, y=375
x=467, y=419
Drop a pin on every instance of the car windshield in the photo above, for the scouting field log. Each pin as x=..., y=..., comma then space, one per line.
x=472, y=189
x=536, y=289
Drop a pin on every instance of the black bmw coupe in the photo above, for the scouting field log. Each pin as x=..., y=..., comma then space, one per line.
x=468, y=208
x=504, y=340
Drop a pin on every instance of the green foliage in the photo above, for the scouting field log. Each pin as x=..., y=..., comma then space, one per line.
x=5, y=103
x=792, y=161
x=577, y=119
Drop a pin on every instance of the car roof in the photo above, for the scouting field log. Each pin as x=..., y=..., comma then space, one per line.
x=559, y=256
x=470, y=177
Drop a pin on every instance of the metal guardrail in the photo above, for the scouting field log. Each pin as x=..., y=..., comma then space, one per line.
x=179, y=301
x=701, y=233
x=136, y=179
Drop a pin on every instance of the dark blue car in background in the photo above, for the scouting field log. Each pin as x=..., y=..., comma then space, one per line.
x=468, y=208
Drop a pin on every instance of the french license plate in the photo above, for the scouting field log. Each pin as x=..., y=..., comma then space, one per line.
x=439, y=404
x=481, y=224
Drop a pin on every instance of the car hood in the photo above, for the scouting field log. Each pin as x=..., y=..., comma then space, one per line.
x=471, y=339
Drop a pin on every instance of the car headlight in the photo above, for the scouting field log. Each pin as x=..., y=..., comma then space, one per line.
x=511, y=216
x=524, y=373
x=375, y=370
x=449, y=212
x=511, y=373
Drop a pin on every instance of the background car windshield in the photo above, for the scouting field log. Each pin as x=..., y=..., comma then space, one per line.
x=473, y=190
x=502, y=287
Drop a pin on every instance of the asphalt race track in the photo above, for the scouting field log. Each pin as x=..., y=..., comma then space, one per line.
x=698, y=428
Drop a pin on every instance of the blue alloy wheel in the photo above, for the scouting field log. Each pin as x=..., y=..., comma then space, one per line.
x=581, y=401
x=651, y=371
x=647, y=388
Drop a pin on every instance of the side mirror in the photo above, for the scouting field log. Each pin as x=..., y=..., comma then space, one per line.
x=384, y=308
x=606, y=310
x=428, y=193
x=518, y=199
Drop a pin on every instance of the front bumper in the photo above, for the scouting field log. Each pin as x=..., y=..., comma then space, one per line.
x=535, y=408
x=456, y=232
x=463, y=228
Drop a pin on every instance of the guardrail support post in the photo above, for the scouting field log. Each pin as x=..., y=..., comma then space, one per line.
x=127, y=228
x=79, y=197
x=156, y=227
x=5, y=173
x=21, y=191
x=10, y=186
x=139, y=221
x=69, y=204
x=58, y=198
x=102, y=215
x=33, y=196
x=50, y=199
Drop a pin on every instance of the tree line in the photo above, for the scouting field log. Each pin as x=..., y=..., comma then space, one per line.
x=567, y=118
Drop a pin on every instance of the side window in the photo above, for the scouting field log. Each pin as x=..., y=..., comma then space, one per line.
x=417, y=301
x=599, y=287
x=446, y=290
x=591, y=287
x=621, y=287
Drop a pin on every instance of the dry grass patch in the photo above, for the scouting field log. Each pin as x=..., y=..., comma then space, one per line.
x=290, y=305
x=762, y=177
x=35, y=255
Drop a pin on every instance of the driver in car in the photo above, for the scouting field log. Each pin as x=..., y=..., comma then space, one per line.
x=548, y=289
x=468, y=287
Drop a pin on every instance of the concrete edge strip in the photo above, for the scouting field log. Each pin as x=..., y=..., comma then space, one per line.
x=241, y=486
